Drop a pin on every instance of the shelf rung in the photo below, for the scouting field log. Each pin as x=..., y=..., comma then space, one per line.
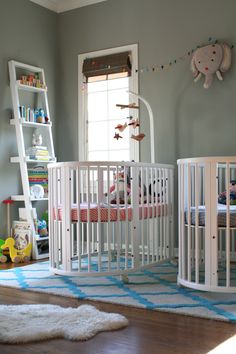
x=40, y=238
x=16, y=159
x=30, y=88
x=21, y=198
x=30, y=124
x=18, y=198
x=29, y=67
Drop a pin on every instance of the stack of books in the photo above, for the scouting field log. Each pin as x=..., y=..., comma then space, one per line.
x=38, y=153
x=39, y=175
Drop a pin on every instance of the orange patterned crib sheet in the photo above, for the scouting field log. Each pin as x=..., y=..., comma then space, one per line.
x=93, y=212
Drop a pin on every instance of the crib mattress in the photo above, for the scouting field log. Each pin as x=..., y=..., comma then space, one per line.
x=103, y=213
x=221, y=215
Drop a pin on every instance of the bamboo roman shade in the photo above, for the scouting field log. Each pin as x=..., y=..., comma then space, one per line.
x=108, y=64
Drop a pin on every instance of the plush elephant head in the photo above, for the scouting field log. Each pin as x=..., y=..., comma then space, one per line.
x=209, y=60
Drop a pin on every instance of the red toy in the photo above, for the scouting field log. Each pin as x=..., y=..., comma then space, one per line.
x=117, y=136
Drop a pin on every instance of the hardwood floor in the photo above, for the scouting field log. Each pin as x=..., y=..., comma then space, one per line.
x=149, y=332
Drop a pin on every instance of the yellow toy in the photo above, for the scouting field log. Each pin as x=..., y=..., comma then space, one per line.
x=3, y=257
x=17, y=255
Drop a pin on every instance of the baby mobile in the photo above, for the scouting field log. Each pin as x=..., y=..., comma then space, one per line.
x=132, y=122
x=135, y=123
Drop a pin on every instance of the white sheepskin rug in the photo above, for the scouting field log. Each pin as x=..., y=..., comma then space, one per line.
x=26, y=323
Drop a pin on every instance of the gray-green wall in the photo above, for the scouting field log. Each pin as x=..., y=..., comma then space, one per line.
x=28, y=33
x=189, y=120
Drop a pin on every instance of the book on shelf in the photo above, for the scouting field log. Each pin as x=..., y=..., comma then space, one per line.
x=38, y=176
x=38, y=153
x=37, y=148
x=39, y=158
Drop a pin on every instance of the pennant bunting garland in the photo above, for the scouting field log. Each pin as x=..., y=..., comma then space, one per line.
x=162, y=67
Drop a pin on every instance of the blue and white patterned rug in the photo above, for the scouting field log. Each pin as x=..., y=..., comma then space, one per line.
x=154, y=289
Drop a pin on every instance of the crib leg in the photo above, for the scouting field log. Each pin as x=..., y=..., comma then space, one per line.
x=124, y=278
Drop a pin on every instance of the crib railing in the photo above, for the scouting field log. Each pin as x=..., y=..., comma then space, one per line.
x=109, y=217
x=207, y=228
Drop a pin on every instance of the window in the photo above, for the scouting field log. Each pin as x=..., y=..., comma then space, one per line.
x=104, y=80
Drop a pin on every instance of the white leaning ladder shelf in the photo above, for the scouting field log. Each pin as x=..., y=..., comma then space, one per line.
x=16, y=86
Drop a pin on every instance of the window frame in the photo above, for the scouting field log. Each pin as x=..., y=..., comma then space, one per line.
x=82, y=95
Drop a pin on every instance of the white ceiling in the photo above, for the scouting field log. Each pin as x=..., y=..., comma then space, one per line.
x=64, y=5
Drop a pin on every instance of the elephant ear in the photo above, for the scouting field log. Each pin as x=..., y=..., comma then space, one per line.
x=193, y=67
x=226, y=61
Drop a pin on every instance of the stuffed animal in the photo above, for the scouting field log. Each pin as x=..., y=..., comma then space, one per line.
x=117, y=190
x=119, y=187
x=42, y=228
x=209, y=60
x=232, y=194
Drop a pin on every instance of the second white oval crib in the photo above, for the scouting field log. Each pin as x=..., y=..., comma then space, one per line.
x=207, y=223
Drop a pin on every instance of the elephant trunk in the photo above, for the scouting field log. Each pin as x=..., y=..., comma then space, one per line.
x=208, y=81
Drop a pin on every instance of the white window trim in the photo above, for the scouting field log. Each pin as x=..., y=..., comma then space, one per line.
x=133, y=48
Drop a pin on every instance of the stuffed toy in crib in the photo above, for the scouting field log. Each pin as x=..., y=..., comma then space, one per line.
x=232, y=194
x=120, y=187
x=117, y=190
x=209, y=60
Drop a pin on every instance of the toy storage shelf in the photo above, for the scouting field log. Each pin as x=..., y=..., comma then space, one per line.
x=21, y=198
x=30, y=88
x=31, y=80
x=39, y=238
x=31, y=124
x=16, y=159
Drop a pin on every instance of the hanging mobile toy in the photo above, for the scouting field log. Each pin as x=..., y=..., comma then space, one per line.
x=130, y=105
x=117, y=136
x=121, y=127
x=134, y=123
x=138, y=137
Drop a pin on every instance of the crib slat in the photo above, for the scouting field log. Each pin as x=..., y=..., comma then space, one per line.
x=167, y=214
x=227, y=178
x=109, y=222
x=182, y=235
x=99, y=241
x=171, y=211
x=189, y=224
x=151, y=214
x=156, y=232
x=66, y=217
x=214, y=225
x=197, y=223
x=135, y=219
x=126, y=226
x=208, y=236
x=51, y=226
x=56, y=193
x=142, y=218
x=158, y=219
x=148, y=221
x=78, y=197
x=118, y=229
x=161, y=213
x=88, y=218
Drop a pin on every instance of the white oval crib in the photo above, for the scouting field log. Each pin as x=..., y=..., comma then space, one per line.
x=207, y=223
x=109, y=217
